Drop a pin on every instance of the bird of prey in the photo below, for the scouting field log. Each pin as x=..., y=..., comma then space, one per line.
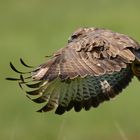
x=94, y=66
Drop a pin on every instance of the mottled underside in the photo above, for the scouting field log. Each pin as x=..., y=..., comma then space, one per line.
x=95, y=65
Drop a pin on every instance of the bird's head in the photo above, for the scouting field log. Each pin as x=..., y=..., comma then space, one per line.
x=79, y=34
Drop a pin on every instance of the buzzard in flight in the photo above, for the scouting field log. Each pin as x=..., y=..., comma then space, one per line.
x=95, y=66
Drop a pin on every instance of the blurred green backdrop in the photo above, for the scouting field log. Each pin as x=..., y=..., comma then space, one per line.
x=32, y=29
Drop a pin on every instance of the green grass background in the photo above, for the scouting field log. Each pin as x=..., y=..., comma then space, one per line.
x=32, y=29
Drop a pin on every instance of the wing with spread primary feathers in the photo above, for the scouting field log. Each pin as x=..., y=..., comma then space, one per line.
x=95, y=66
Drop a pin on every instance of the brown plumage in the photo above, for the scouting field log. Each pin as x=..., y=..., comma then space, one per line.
x=95, y=66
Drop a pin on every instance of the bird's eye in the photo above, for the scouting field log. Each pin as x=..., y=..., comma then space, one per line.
x=74, y=36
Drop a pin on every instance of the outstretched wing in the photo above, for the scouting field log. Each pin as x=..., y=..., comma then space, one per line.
x=93, y=67
x=94, y=52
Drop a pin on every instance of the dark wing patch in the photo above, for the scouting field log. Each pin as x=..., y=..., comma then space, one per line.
x=82, y=93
